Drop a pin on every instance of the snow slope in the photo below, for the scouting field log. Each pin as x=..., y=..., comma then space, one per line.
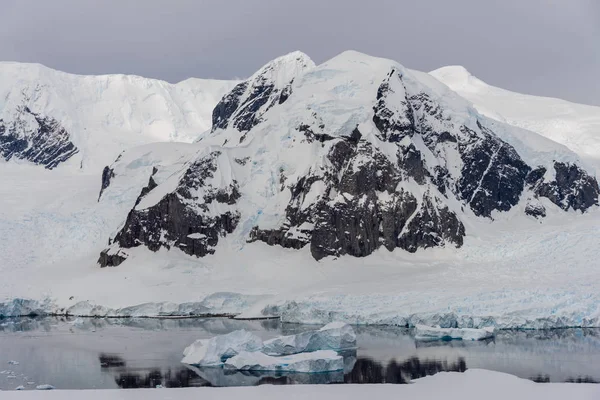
x=576, y=126
x=107, y=114
x=470, y=385
x=512, y=271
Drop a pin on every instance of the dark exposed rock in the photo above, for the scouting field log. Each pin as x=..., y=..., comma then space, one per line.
x=48, y=144
x=536, y=210
x=247, y=116
x=393, y=125
x=361, y=209
x=286, y=93
x=227, y=106
x=493, y=175
x=242, y=161
x=107, y=174
x=431, y=226
x=572, y=187
x=146, y=189
x=182, y=219
x=410, y=161
x=311, y=136
x=111, y=259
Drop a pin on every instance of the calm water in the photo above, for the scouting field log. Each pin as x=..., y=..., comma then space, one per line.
x=133, y=353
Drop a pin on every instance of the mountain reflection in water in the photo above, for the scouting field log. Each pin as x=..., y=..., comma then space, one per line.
x=361, y=370
x=88, y=353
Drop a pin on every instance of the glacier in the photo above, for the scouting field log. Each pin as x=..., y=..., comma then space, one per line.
x=513, y=270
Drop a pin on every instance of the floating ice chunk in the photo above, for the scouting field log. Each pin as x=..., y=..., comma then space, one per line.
x=317, y=361
x=13, y=362
x=21, y=387
x=333, y=336
x=45, y=387
x=218, y=349
x=423, y=332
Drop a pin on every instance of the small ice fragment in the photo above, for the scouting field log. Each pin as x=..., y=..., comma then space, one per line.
x=21, y=387
x=13, y=362
x=45, y=387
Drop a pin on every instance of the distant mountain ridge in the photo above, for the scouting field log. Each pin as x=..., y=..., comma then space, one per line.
x=577, y=126
x=50, y=118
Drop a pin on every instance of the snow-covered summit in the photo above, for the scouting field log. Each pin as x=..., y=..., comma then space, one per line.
x=50, y=117
x=283, y=69
x=346, y=157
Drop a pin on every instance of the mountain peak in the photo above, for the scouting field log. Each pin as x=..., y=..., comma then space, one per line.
x=283, y=69
x=456, y=76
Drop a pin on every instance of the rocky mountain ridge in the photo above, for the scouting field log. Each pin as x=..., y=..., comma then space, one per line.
x=346, y=157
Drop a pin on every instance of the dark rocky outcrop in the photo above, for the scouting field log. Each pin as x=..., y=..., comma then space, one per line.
x=227, y=106
x=183, y=218
x=107, y=174
x=535, y=210
x=571, y=188
x=361, y=209
x=43, y=141
x=108, y=258
x=493, y=175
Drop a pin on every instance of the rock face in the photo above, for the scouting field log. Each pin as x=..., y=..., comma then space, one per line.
x=35, y=138
x=192, y=218
x=359, y=208
x=347, y=157
x=107, y=175
x=571, y=187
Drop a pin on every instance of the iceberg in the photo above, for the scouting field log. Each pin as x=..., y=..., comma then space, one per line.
x=45, y=387
x=214, y=351
x=316, y=361
x=333, y=336
x=424, y=332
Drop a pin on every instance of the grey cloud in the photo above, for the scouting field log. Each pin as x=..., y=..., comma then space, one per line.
x=544, y=47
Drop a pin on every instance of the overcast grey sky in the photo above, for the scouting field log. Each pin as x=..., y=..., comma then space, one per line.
x=544, y=47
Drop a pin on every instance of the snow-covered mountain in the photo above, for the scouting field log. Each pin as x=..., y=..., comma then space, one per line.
x=577, y=126
x=356, y=189
x=346, y=157
x=50, y=118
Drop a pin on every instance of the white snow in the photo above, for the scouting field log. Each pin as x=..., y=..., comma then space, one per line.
x=333, y=336
x=473, y=384
x=214, y=351
x=312, y=362
x=424, y=332
x=514, y=272
x=576, y=126
x=107, y=114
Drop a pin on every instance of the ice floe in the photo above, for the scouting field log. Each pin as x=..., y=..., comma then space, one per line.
x=214, y=351
x=316, y=361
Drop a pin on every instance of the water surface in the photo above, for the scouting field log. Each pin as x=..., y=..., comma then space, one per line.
x=135, y=353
